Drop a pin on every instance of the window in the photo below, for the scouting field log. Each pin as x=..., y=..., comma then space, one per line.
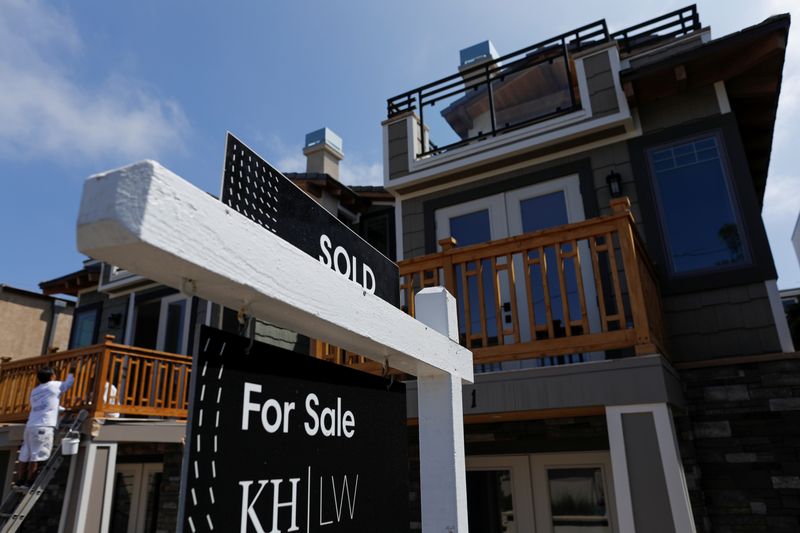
x=85, y=324
x=697, y=207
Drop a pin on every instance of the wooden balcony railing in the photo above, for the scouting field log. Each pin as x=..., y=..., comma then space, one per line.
x=109, y=379
x=575, y=291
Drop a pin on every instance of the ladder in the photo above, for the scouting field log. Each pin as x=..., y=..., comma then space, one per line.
x=17, y=505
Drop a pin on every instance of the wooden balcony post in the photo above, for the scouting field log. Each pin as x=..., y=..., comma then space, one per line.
x=641, y=322
x=448, y=244
x=104, y=357
x=620, y=205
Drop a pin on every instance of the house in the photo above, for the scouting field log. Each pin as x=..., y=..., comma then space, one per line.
x=134, y=339
x=593, y=201
x=32, y=323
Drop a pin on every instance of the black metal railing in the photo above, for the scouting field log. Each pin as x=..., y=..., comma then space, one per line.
x=503, y=94
x=481, y=87
x=675, y=24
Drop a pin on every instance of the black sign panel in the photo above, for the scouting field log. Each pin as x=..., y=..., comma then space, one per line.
x=255, y=189
x=284, y=442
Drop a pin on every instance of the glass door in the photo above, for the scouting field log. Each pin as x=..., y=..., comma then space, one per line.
x=573, y=493
x=499, y=494
x=173, y=324
x=476, y=222
x=541, y=493
x=545, y=205
x=137, y=490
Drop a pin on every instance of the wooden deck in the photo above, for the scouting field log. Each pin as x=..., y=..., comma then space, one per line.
x=109, y=378
x=580, y=288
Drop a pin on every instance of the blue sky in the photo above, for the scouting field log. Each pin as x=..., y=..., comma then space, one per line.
x=93, y=85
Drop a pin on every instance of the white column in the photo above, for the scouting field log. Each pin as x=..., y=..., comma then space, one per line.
x=443, y=478
x=91, y=489
x=677, y=492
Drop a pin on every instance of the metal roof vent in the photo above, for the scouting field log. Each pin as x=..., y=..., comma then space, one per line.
x=478, y=53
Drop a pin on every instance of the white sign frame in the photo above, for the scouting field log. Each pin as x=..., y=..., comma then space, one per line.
x=150, y=221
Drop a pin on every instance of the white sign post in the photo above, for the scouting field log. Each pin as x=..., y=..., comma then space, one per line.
x=150, y=221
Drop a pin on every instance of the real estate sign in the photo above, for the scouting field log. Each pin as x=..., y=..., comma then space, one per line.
x=283, y=442
x=258, y=191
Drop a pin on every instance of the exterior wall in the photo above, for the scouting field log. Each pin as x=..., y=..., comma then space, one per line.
x=47, y=511
x=796, y=238
x=25, y=325
x=651, y=511
x=676, y=110
x=600, y=82
x=397, y=149
x=722, y=322
x=599, y=163
x=741, y=445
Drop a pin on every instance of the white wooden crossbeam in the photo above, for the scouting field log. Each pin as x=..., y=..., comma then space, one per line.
x=148, y=220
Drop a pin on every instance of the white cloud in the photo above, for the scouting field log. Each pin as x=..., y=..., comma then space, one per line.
x=357, y=172
x=46, y=112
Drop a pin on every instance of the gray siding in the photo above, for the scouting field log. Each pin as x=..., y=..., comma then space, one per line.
x=723, y=322
x=680, y=109
x=114, y=306
x=398, y=149
x=651, y=508
x=600, y=81
x=603, y=160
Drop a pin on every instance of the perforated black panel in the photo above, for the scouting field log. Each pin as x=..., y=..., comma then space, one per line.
x=251, y=185
x=258, y=191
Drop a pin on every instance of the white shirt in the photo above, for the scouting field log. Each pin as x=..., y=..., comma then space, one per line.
x=44, y=402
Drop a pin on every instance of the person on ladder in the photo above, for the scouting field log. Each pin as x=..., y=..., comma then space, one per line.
x=37, y=441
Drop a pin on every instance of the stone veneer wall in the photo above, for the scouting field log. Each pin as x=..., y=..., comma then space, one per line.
x=741, y=445
x=45, y=515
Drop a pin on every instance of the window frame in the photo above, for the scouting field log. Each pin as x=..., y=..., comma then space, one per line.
x=761, y=266
x=96, y=308
x=732, y=198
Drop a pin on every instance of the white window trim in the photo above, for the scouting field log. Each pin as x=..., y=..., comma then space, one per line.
x=540, y=462
x=162, y=321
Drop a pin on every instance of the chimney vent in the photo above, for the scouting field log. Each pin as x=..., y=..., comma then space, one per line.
x=477, y=54
x=323, y=151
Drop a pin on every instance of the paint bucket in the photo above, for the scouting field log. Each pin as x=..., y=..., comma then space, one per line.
x=70, y=443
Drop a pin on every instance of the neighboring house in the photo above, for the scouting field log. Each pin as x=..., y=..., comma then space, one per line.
x=31, y=323
x=796, y=238
x=593, y=201
x=790, y=298
x=142, y=335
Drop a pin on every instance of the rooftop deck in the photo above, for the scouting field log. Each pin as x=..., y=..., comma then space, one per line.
x=492, y=96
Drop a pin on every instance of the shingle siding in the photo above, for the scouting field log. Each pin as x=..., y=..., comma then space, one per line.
x=721, y=322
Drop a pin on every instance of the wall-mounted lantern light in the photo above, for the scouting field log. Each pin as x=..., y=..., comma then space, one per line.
x=114, y=320
x=614, y=181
